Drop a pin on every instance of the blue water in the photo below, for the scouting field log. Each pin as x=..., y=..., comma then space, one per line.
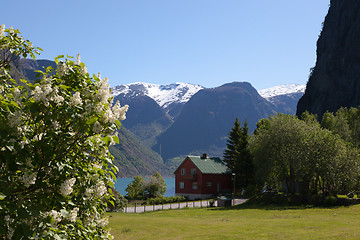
x=122, y=183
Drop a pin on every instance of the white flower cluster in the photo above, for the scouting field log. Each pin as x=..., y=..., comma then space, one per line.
x=2, y=30
x=103, y=90
x=17, y=96
x=77, y=60
x=15, y=119
x=62, y=69
x=100, y=189
x=28, y=179
x=97, y=166
x=117, y=112
x=55, y=215
x=56, y=125
x=10, y=232
x=120, y=112
x=102, y=222
x=56, y=97
x=89, y=192
x=73, y=215
x=42, y=94
x=66, y=187
x=76, y=99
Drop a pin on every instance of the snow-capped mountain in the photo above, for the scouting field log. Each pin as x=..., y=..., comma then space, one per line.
x=269, y=93
x=284, y=97
x=164, y=95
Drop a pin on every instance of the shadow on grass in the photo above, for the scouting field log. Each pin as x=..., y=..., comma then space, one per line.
x=251, y=204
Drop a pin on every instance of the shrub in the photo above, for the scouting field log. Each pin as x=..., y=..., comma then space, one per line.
x=350, y=195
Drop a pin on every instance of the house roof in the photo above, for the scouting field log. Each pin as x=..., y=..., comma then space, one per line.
x=209, y=165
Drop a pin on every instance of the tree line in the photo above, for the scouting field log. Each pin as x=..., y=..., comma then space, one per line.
x=292, y=155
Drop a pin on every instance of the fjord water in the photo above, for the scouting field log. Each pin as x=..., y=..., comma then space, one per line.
x=122, y=183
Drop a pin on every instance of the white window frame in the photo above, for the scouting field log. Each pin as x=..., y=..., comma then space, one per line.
x=181, y=185
x=194, y=185
x=183, y=171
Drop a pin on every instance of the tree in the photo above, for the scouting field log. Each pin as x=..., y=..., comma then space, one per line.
x=156, y=186
x=136, y=188
x=55, y=167
x=290, y=151
x=238, y=156
x=120, y=202
x=139, y=188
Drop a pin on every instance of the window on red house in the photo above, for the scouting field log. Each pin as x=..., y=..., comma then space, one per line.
x=193, y=171
x=181, y=185
x=194, y=185
x=208, y=184
x=183, y=171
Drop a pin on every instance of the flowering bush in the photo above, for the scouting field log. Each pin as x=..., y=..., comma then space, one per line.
x=55, y=167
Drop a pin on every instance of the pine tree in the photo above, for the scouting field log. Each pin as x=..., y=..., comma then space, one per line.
x=237, y=155
x=232, y=142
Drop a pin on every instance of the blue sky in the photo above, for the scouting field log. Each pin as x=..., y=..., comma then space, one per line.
x=206, y=42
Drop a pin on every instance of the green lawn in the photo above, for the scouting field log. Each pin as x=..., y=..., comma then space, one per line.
x=239, y=223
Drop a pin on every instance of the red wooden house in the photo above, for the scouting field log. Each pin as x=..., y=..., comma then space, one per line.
x=202, y=177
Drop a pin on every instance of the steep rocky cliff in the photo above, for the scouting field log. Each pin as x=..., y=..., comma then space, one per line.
x=335, y=80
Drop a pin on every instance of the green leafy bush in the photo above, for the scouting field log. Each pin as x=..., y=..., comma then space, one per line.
x=55, y=167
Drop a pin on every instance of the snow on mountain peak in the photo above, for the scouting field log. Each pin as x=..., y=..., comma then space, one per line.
x=164, y=95
x=281, y=90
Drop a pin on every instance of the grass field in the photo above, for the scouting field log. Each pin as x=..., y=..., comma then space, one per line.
x=241, y=222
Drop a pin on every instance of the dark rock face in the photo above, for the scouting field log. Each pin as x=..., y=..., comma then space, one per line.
x=145, y=118
x=335, y=81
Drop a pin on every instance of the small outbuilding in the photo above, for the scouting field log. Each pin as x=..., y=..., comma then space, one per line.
x=201, y=177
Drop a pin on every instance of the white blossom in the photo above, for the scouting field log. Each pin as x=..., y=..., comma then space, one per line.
x=55, y=215
x=56, y=125
x=120, y=112
x=100, y=189
x=103, y=90
x=23, y=143
x=77, y=60
x=8, y=219
x=89, y=192
x=99, y=108
x=41, y=93
x=15, y=119
x=76, y=99
x=1, y=89
x=58, y=99
x=97, y=128
x=103, y=222
x=28, y=179
x=66, y=187
x=38, y=137
x=112, y=142
x=73, y=215
x=62, y=69
x=109, y=116
x=10, y=232
x=17, y=95
x=97, y=166
x=84, y=70
x=2, y=30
